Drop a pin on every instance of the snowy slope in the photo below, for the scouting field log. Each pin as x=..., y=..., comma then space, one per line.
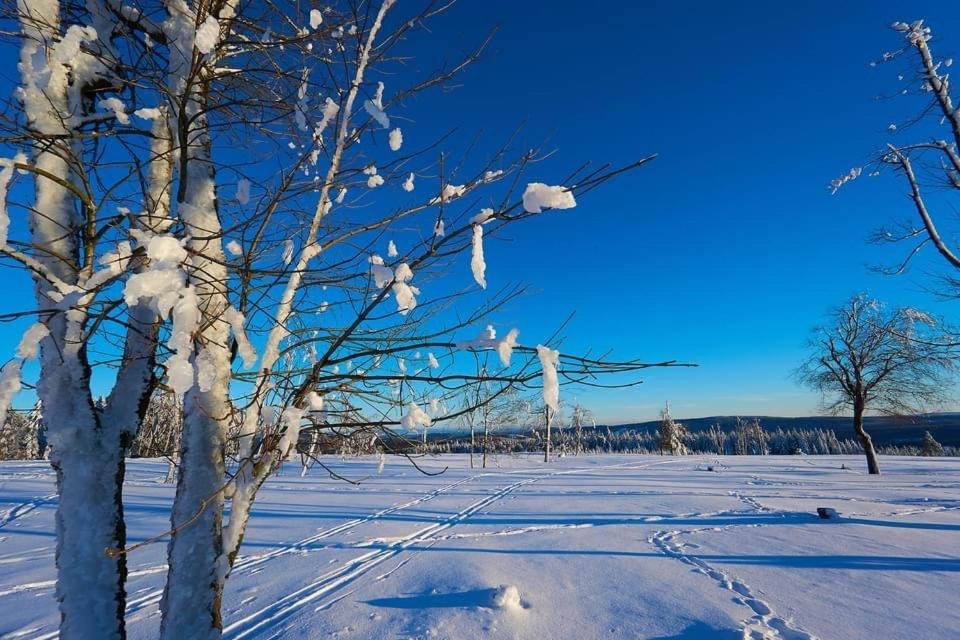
x=597, y=547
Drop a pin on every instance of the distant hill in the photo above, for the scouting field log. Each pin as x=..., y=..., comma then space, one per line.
x=885, y=430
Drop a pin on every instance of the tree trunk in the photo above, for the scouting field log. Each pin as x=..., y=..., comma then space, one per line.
x=88, y=459
x=471, y=443
x=546, y=448
x=197, y=566
x=873, y=466
x=194, y=588
x=486, y=437
x=90, y=581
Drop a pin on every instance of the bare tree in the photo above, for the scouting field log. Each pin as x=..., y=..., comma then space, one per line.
x=872, y=358
x=924, y=150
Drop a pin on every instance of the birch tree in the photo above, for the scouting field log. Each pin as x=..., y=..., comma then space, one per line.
x=316, y=282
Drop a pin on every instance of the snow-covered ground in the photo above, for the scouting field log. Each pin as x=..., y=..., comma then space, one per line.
x=597, y=547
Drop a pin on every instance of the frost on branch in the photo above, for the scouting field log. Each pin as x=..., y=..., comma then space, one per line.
x=6, y=174
x=396, y=139
x=374, y=180
x=290, y=419
x=316, y=19
x=243, y=191
x=914, y=32
x=483, y=217
x=505, y=346
x=549, y=359
x=382, y=275
x=488, y=340
x=477, y=263
x=450, y=192
x=117, y=107
x=415, y=417
x=539, y=196
x=9, y=386
x=408, y=183
x=851, y=175
x=375, y=108
x=208, y=35
x=163, y=285
x=403, y=291
x=236, y=321
x=10, y=376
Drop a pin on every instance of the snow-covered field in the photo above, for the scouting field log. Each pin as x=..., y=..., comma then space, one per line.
x=597, y=547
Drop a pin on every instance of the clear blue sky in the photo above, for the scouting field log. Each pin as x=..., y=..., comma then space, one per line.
x=728, y=248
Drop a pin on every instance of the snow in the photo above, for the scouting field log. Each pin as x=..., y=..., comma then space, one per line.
x=549, y=359
x=506, y=596
x=243, y=191
x=438, y=228
x=314, y=402
x=375, y=180
x=148, y=113
x=6, y=175
x=382, y=275
x=538, y=196
x=483, y=217
x=206, y=369
x=234, y=248
x=505, y=346
x=287, y=251
x=316, y=19
x=851, y=175
x=30, y=342
x=9, y=386
x=408, y=183
x=404, y=292
x=118, y=108
x=396, y=139
x=246, y=351
x=375, y=108
x=208, y=35
x=415, y=417
x=450, y=192
x=596, y=547
x=432, y=361
x=391, y=249
x=477, y=264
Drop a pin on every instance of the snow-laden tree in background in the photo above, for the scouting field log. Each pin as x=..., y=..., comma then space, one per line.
x=307, y=283
x=670, y=434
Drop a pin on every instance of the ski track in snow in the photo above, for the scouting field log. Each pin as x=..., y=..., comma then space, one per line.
x=282, y=609
x=764, y=624
x=24, y=508
x=286, y=606
x=248, y=564
x=330, y=588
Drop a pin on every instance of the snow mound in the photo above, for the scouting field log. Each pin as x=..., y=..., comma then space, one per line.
x=506, y=596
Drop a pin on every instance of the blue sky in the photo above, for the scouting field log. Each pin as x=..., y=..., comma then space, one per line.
x=728, y=248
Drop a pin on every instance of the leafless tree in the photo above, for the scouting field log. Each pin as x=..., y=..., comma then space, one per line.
x=923, y=150
x=872, y=358
x=159, y=251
